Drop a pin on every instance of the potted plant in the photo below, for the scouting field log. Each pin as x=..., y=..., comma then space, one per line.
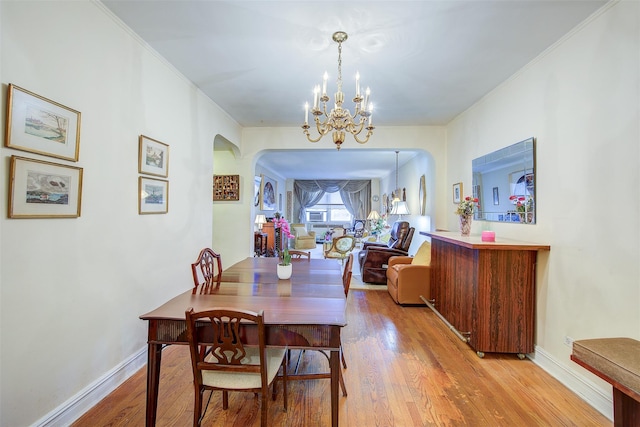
x=284, y=266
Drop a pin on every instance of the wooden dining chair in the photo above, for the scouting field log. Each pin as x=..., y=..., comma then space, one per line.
x=299, y=254
x=229, y=364
x=208, y=266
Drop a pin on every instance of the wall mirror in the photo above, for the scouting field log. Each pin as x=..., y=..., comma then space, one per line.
x=504, y=183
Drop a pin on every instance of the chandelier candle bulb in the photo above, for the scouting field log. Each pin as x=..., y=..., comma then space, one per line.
x=357, y=84
x=324, y=83
x=306, y=113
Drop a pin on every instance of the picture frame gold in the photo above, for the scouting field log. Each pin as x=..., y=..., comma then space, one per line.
x=41, y=189
x=457, y=192
x=153, y=196
x=39, y=125
x=153, y=157
x=422, y=196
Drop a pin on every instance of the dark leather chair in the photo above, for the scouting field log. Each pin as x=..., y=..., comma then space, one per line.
x=374, y=256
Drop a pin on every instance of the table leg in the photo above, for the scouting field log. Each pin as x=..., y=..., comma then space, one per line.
x=334, y=364
x=154, y=357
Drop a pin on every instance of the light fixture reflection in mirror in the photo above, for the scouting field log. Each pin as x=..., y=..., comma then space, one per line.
x=504, y=183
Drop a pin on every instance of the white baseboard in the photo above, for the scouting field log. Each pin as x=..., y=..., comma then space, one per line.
x=77, y=405
x=600, y=399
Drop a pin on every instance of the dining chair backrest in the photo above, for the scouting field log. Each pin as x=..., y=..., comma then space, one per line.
x=299, y=254
x=208, y=268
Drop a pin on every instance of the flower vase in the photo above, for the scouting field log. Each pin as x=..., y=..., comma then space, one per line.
x=284, y=271
x=465, y=224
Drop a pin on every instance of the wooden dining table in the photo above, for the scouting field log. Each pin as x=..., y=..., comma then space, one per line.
x=306, y=311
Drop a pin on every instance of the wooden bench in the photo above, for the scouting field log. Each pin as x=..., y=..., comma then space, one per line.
x=617, y=361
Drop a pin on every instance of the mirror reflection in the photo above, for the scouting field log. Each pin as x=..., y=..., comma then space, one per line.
x=504, y=183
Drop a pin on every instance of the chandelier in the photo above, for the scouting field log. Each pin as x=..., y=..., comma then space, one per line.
x=399, y=207
x=339, y=120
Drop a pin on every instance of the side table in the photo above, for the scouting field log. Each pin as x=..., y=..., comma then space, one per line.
x=260, y=244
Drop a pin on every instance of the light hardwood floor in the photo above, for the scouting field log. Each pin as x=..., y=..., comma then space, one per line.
x=405, y=368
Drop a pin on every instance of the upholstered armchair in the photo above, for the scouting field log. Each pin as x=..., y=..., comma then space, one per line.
x=374, y=256
x=410, y=277
x=303, y=239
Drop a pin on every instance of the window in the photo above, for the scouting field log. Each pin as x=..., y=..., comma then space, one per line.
x=331, y=209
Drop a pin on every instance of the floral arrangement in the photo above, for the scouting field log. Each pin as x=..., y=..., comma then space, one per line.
x=522, y=203
x=378, y=225
x=467, y=206
x=327, y=235
x=283, y=225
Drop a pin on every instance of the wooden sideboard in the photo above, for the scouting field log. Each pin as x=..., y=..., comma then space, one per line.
x=276, y=241
x=485, y=291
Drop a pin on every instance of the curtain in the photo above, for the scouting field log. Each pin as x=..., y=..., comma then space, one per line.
x=355, y=194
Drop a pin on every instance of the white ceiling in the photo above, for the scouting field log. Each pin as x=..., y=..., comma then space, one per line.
x=425, y=61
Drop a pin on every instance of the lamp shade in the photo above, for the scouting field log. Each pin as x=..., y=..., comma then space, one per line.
x=260, y=219
x=374, y=215
x=400, y=208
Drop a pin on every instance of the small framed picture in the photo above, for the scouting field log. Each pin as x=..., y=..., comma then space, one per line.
x=268, y=191
x=153, y=196
x=496, y=197
x=457, y=192
x=40, y=125
x=40, y=189
x=153, y=157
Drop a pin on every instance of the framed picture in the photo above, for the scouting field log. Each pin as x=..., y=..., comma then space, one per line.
x=40, y=125
x=226, y=187
x=496, y=197
x=422, y=196
x=39, y=189
x=257, y=185
x=153, y=157
x=153, y=196
x=268, y=191
x=457, y=192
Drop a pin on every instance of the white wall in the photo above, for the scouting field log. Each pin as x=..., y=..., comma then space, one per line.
x=72, y=289
x=581, y=102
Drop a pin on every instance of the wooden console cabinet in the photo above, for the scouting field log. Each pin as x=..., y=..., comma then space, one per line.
x=485, y=290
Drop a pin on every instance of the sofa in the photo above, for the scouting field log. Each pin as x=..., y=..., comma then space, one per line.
x=374, y=256
x=410, y=277
x=303, y=239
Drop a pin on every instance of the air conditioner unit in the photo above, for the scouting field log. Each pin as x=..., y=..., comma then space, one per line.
x=317, y=216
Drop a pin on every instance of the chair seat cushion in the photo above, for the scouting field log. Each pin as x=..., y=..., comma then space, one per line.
x=241, y=380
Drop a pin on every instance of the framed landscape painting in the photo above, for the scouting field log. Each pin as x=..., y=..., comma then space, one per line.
x=153, y=157
x=40, y=125
x=153, y=196
x=39, y=189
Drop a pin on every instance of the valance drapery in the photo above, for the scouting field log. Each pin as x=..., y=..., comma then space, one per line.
x=355, y=194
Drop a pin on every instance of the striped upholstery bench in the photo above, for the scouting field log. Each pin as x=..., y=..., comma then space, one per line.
x=617, y=361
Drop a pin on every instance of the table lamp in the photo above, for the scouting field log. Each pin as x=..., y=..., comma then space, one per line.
x=260, y=219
